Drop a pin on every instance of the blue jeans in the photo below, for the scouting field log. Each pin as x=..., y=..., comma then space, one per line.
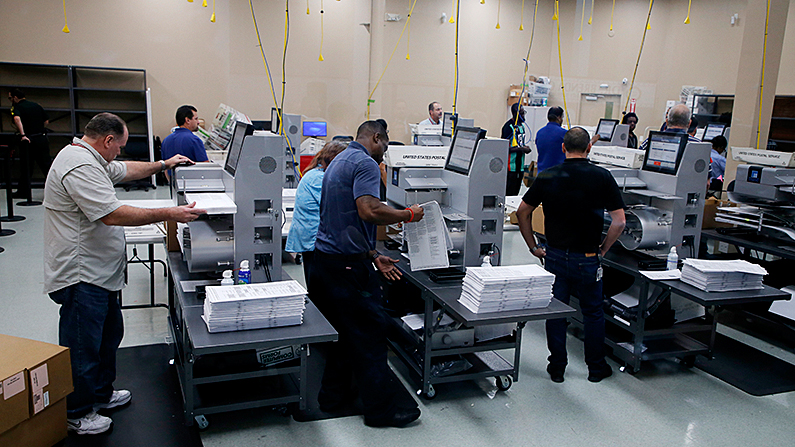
x=576, y=273
x=91, y=326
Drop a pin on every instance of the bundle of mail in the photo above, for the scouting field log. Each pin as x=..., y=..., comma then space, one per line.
x=722, y=276
x=505, y=288
x=254, y=306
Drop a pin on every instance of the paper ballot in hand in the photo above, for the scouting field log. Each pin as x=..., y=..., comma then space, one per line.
x=428, y=240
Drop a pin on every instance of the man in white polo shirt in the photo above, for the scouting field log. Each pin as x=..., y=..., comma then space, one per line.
x=85, y=257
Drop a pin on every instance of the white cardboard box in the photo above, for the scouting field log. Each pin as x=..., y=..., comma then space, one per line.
x=763, y=157
x=617, y=156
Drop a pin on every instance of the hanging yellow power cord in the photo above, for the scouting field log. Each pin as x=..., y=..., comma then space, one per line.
x=687, y=19
x=582, y=20
x=280, y=109
x=322, y=32
x=456, y=12
x=370, y=98
x=212, y=17
x=556, y=17
x=612, y=12
x=521, y=18
x=408, y=36
x=499, y=4
x=307, y=7
x=590, y=19
x=65, y=23
x=642, y=41
x=762, y=83
x=455, y=72
x=524, y=77
x=204, y=3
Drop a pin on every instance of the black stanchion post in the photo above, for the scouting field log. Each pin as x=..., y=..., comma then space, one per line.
x=9, y=198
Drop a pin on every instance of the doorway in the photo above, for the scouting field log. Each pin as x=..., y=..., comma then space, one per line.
x=594, y=106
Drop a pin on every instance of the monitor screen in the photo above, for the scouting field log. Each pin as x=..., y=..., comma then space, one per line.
x=462, y=149
x=315, y=129
x=275, y=122
x=664, y=152
x=447, y=124
x=713, y=130
x=606, y=128
x=236, y=145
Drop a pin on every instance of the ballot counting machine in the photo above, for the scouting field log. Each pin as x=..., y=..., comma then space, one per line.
x=467, y=179
x=663, y=189
x=244, y=203
x=767, y=198
x=611, y=133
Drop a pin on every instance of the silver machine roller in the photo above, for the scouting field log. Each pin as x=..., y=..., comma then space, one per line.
x=768, y=196
x=664, y=208
x=472, y=203
x=244, y=202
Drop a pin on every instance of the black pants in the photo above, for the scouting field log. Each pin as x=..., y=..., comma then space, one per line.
x=38, y=151
x=514, y=183
x=348, y=293
x=306, y=260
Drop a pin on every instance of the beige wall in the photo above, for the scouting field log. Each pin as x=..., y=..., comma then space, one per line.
x=190, y=60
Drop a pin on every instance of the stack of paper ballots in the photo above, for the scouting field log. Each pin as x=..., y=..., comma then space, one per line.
x=254, y=306
x=494, y=289
x=722, y=276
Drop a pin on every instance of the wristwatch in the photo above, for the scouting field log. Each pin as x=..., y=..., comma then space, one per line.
x=374, y=256
x=162, y=165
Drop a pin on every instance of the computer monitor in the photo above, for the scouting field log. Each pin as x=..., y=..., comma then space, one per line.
x=713, y=130
x=664, y=152
x=314, y=128
x=448, y=123
x=462, y=149
x=236, y=145
x=275, y=121
x=606, y=128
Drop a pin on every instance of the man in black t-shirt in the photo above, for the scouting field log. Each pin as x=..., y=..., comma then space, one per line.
x=575, y=195
x=30, y=120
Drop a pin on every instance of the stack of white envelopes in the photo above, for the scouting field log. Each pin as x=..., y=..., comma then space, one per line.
x=495, y=289
x=254, y=306
x=722, y=276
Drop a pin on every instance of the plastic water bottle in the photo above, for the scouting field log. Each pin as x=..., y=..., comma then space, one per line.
x=486, y=261
x=227, y=281
x=673, y=260
x=244, y=274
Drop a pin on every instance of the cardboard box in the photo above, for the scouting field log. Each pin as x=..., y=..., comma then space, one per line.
x=46, y=375
x=711, y=206
x=617, y=156
x=538, y=219
x=44, y=430
x=172, y=243
x=763, y=157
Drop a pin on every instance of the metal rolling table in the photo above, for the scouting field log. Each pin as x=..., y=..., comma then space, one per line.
x=486, y=362
x=216, y=372
x=634, y=343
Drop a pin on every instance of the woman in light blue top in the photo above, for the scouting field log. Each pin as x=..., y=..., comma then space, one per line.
x=306, y=214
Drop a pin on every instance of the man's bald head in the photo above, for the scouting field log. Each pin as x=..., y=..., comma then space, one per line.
x=576, y=140
x=679, y=117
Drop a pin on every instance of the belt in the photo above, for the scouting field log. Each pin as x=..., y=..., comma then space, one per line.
x=338, y=257
x=574, y=252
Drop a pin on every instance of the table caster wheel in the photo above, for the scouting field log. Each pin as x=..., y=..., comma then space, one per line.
x=430, y=394
x=202, y=422
x=504, y=382
x=628, y=369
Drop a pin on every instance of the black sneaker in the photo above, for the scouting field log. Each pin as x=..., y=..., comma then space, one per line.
x=400, y=418
x=555, y=373
x=599, y=374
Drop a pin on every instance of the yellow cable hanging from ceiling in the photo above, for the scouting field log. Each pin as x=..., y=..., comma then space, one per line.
x=453, y=13
x=212, y=17
x=687, y=19
x=204, y=3
x=521, y=18
x=65, y=23
x=455, y=71
x=612, y=11
x=762, y=83
x=590, y=19
x=499, y=3
x=408, y=36
x=560, y=61
x=642, y=41
x=526, y=68
x=307, y=7
x=370, y=99
x=322, y=12
x=582, y=20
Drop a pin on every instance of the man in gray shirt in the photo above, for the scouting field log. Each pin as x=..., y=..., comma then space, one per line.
x=85, y=256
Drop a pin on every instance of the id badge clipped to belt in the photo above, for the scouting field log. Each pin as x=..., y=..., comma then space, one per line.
x=599, y=270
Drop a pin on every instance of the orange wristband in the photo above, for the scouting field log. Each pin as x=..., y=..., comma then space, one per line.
x=412, y=215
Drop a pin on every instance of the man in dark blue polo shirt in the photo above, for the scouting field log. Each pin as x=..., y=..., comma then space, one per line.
x=549, y=140
x=182, y=141
x=344, y=283
x=575, y=195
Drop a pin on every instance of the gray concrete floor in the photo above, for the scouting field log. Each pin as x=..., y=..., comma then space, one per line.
x=665, y=404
